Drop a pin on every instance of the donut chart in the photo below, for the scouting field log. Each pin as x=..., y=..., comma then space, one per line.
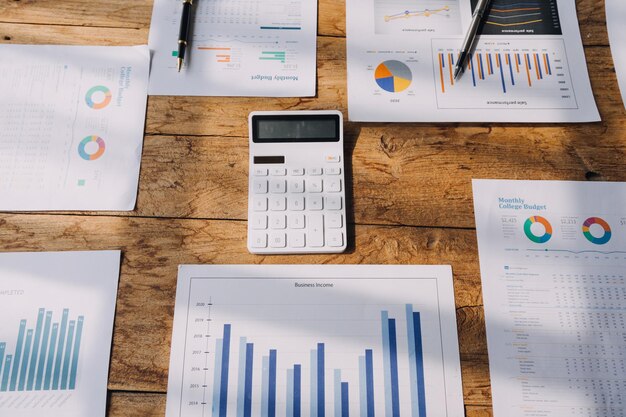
x=82, y=148
x=533, y=237
x=393, y=76
x=106, y=97
x=600, y=222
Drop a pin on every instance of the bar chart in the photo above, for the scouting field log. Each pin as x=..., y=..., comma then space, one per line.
x=505, y=74
x=269, y=348
x=46, y=355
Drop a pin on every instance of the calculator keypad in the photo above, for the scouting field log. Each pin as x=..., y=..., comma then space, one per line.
x=298, y=208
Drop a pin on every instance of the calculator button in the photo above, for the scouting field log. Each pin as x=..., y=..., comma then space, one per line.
x=278, y=221
x=259, y=204
x=296, y=186
x=314, y=202
x=295, y=239
x=334, y=238
x=259, y=186
x=315, y=171
x=333, y=171
x=278, y=171
x=278, y=203
x=314, y=185
x=296, y=221
x=334, y=221
x=277, y=240
x=315, y=230
x=296, y=171
x=296, y=202
x=333, y=202
x=278, y=186
x=258, y=240
x=333, y=185
x=260, y=172
x=259, y=221
x=332, y=158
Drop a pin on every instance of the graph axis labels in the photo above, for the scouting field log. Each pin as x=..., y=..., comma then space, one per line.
x=393, y=76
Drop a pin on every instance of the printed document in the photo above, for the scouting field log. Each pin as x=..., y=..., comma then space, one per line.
x=55, y=338
x=316, y=341
x=237, y=48
x=616, y=25
x=553, y=267
x=528, y=64
x=71, y=126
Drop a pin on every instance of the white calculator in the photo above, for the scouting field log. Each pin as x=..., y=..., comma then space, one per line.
x=296, y=190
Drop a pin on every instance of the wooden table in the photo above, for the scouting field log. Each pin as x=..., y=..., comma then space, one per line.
x=411, y=193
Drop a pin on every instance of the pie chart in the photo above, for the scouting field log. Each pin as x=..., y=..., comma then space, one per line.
x=393, y=76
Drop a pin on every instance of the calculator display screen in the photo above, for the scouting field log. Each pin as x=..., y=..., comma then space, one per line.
x=293, y=128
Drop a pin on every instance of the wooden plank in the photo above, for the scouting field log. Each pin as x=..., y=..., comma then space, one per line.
x=153, y=249
x=70, y=35
x=137, y=14
x=478, y=411
x=135, y=404
x=395, y=176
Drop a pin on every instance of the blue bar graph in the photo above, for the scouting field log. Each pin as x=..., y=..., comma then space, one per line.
x=5, y=373
x=369, y=381
x=18, y=355
x=50, y=363
x=34, y=355
x=321, y=397
x=419, y=362
x=67, y=357
x=241, y=377
x=271, y=389
x=27, y=347
x=43, y=358
x=58, y=362
x=2, y=348
x=76, y=351
x=411, y=361
x=345, y=400
x=43, y=351
x=297, y=390
x=247, y=405
x=224, y=376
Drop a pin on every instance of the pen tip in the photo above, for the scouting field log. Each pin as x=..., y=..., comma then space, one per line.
x=457, y=72
x=180, y=64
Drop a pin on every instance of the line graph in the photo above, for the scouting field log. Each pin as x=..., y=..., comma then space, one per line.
x=580, y=252
x=425, y=16
x=417, y=13
x=520, y=17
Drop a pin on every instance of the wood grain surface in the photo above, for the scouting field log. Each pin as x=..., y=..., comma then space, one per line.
x=409, y=187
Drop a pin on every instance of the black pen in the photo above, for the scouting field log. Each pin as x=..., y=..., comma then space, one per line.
x=183, y=34
x=470, y=37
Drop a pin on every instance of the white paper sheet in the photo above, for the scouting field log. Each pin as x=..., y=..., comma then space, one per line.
x=71, y=126
x=289, y=338
x=57, y=313
x=616, y=25
x=238, y=48
x=528, y=65
x=553, y=267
